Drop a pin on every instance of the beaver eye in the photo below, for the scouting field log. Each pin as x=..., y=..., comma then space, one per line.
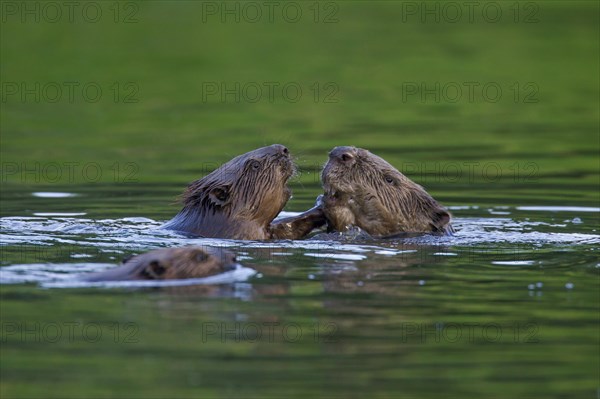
x=388, y=179
x=255, y=165
x=201, y=257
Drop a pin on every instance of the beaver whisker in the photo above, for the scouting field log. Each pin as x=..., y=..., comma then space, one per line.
x=295, y=174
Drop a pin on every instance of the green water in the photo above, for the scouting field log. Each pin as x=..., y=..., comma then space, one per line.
x=508, y=307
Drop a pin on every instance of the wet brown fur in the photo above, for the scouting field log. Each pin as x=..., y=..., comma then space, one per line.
x=240, y=199
x=169, y=264
x=364, y=190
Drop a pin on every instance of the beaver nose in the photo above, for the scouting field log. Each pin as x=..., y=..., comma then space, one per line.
x=344, y=154
x=281, y=149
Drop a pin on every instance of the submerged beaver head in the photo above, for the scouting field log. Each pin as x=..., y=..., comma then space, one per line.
x=362, y=189
x=239, y=199
x=170, y=263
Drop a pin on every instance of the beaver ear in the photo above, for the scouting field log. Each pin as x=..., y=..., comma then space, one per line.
x=219, y=195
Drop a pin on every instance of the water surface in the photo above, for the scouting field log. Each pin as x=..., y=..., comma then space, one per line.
x=507, y=307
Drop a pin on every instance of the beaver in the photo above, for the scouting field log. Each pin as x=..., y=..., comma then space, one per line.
x=169, y=264
x=362, y=189
x=240, y=199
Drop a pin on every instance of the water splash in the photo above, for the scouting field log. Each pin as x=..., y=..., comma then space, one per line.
x=117, y=237
x=68, y=275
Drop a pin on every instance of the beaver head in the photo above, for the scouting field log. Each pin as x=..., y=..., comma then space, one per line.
x=362, y=189
x=170, y=263
x=239, y=199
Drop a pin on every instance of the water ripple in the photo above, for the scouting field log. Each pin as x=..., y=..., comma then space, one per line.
x=116, y=237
